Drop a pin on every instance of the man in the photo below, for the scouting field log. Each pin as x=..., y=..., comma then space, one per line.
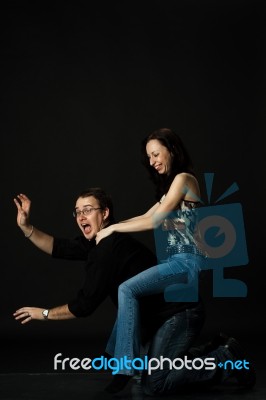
x=114, y=260
x=107, y=265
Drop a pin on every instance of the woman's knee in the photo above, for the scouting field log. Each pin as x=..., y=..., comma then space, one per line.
x=124, y=290
x=129, y=288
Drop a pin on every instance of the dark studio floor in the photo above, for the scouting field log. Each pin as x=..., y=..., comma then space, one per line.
x=81, y=386
x=23, y=384
x=27, y=374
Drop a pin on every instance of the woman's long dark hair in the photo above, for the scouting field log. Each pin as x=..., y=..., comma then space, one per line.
x=181, y=161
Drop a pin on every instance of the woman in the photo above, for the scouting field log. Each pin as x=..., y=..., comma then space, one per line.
x=178, y=195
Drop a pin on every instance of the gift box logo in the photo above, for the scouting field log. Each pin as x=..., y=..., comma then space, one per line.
x=222, y=238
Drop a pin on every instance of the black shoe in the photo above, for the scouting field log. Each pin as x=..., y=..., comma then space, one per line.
x=245, y=377
x=118, y=383
x=218, y=340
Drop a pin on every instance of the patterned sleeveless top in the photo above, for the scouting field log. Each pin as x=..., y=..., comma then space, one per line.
x=179, y=230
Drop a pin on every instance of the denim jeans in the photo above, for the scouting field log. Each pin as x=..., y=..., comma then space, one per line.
x=172, y=340
x=176, y=335
x=167, y=277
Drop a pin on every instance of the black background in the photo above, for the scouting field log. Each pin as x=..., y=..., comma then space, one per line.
x=81, y=84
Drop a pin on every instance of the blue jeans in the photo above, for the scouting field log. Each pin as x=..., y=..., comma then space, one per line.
x=172, y=340
x=168, y=277
x=176, y=335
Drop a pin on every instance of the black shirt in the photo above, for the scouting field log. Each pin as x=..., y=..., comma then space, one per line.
x=115, y=259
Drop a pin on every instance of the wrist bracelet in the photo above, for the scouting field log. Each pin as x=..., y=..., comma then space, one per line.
x=31, y=232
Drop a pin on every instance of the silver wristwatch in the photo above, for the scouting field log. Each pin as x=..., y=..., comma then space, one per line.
x=45, y=314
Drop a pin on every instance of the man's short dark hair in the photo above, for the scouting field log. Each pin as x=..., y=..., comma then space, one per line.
x=103, y=199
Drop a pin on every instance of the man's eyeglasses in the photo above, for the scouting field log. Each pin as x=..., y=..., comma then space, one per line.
x=85, y=212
